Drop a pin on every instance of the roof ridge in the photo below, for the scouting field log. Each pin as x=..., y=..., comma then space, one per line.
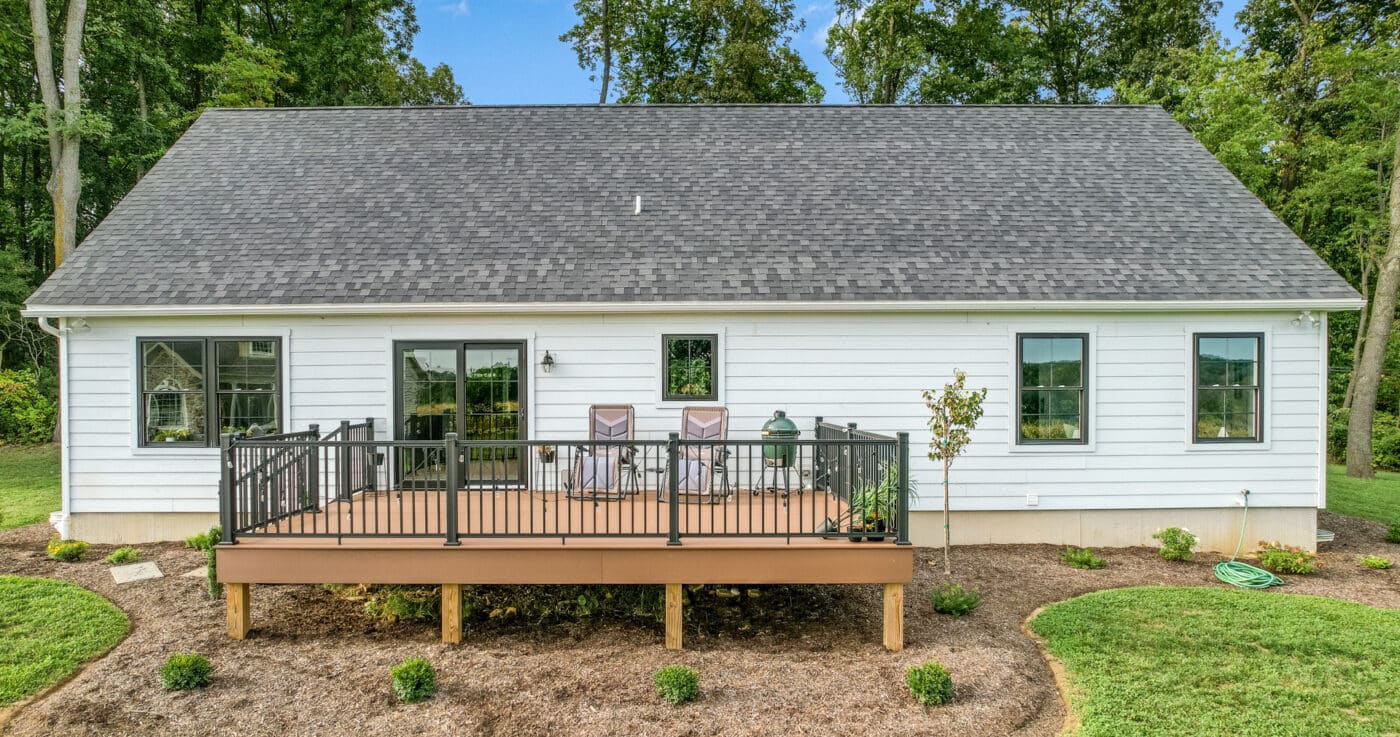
x=669, y=105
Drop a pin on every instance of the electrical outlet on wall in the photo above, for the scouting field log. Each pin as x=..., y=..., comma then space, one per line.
x=1032, y=500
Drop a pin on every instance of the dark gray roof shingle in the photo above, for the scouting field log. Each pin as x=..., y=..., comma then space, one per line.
x=535, y=204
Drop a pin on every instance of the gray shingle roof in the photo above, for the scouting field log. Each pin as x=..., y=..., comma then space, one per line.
x=535, y=204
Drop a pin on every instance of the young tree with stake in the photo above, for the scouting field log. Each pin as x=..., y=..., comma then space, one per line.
x=955, y=412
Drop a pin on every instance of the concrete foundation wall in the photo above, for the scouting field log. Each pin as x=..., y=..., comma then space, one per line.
x=126, y=528
x=1217, y=529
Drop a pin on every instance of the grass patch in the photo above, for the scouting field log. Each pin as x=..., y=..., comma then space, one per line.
x=49, y=628
x=1197, y=661
x=1377, y=499
x=29, y=487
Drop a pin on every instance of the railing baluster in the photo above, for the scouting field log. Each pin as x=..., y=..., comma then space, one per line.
x=450, y=448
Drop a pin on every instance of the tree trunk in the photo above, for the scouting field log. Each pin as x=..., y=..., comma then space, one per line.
x=65, y=184
x=947, y=531
x=607, y=54
x=1368, y=372
x=144, y=116
x=1360, y=332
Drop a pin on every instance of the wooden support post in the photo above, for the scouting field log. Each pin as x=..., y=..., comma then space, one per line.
x=673, y=616
x=452, y=613
x=894, y=617
x=240, y=619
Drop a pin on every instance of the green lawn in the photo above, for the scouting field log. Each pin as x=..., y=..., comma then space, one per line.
x=28, y=484
x=49, y=628
x=1378, y=499
x=1202, y=661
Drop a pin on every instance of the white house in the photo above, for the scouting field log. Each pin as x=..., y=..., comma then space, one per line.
x=1152, y=338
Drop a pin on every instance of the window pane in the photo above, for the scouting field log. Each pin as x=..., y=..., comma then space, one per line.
x=174, y=417
x=1051, y=414
x=1052, y=362
x=247, y=365
x=1226, y=412
x=429, y=393
x=689, y=363
x=242, y=412
x=172, y=365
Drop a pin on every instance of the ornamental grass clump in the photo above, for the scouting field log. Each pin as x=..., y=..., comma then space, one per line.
x=1281, y=558
x=1375, y=562
x=676, y=683
x=414, y=680
x=122, y=556
x=930, y=683
x=954, y=600
x=1082, y=558
x=1177, y=543
x=68, y=551
x=185, y=671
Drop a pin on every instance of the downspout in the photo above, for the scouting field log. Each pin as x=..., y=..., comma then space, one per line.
x=59, y=520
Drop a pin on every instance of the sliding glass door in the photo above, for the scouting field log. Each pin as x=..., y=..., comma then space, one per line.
x=474, y=389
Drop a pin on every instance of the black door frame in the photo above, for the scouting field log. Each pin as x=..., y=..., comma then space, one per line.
x=461, y=347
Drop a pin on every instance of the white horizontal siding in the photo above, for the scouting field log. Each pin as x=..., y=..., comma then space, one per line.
x=867, y=369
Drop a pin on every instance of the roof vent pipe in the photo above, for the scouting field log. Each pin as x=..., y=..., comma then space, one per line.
x=638, y=209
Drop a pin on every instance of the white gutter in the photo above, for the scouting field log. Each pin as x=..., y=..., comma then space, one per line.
x=575, y=308
x=59, y=519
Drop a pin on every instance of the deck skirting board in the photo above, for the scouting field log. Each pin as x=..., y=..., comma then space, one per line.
x=265, y=563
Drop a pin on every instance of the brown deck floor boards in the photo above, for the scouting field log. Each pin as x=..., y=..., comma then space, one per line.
x=520, y=513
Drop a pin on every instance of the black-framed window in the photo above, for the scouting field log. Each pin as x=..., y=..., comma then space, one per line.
x=1229, y=381
x=192, y=389
x=1053, y=379
x=688, y=368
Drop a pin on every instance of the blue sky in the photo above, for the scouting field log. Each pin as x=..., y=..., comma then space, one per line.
x=509, y=52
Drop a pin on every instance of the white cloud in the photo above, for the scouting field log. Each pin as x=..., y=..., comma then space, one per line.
x=458, y=8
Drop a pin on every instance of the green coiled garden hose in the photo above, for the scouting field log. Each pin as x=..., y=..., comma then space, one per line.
x=1240, y=574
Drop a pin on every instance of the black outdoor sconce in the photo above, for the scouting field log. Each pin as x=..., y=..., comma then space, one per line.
x=547, y=363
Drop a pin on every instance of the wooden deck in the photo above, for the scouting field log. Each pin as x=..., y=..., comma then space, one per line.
x=517, y=513
x=531, y=537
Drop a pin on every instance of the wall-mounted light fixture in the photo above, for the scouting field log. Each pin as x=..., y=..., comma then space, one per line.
x=547, y=363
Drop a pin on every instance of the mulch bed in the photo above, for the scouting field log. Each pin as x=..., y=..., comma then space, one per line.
x=315, y=665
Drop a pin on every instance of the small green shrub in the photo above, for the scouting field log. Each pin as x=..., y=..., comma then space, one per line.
x=1082, y=558
x=1177, y=543
x=954, y=600
x=26, y=415
x=68, y=551
x=414, y=680
x=1376, y=562
x=200, y=541
x=184, y=671
x=930, y=683
x=123, y=555
x=1281, y=558
x=211, y=573
x=1392, y=533
x=676, y=683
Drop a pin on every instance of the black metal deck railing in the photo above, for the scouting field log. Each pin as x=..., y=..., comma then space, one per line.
x=845, y=483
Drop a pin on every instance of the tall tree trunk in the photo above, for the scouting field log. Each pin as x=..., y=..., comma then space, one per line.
x=65, y=184
x=1360, y=331
x=607, y=53
x=1368, y=372
x=144, y=116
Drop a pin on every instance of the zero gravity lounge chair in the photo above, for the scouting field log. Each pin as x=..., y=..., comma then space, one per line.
x=704, y=466
x=598, y=471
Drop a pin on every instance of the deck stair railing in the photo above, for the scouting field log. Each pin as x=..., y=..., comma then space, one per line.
x=842, y=482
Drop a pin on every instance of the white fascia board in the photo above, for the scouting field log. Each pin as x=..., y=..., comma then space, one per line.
x=527, y=308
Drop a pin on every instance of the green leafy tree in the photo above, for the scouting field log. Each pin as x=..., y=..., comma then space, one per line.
x=694, y=51
x=954, y=413
x=247, y=75
x=879, y=48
